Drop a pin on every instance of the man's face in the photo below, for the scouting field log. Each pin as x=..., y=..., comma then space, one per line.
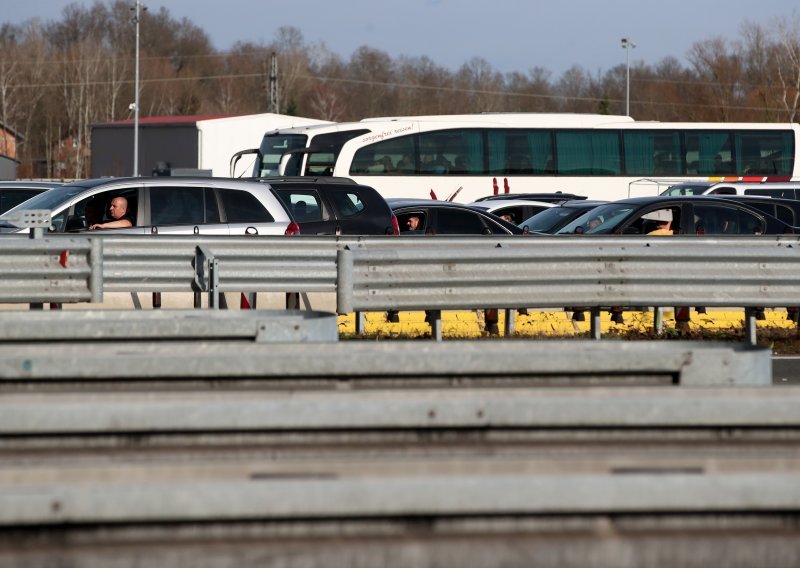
x=117, y=208
x=412, y=223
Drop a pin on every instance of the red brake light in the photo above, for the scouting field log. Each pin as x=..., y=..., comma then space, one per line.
x=395, y=225
x=292, y=229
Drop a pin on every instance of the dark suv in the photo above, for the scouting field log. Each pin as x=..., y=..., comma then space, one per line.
x=334, y=206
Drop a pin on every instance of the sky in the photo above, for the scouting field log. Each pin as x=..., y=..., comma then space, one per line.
x=511, y=35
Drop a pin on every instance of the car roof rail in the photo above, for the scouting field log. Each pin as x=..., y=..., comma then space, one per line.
x=306, y=179
x=548, y=196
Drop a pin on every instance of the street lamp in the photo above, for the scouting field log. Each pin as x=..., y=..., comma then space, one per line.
x=627, y=44
x=138, y=8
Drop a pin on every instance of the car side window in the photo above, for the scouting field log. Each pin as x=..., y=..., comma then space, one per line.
x=721, y=220
x=786, y=193
x=95, y=208
x=305, y=205
x=346, y=203
x=458, y=222
x=177, y=206
x=243, y=207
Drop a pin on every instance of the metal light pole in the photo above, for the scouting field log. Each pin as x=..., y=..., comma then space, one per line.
x=136, y=97
x=627, y=44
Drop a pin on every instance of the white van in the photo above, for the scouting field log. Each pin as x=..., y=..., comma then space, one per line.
x=786, y=190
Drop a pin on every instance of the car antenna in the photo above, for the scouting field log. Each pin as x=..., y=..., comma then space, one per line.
x=455, y=193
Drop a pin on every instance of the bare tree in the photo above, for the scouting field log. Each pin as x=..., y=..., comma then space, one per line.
x=788, y=61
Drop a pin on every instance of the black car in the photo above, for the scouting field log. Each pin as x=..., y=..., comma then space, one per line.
x=553, y=197
x=671, y=215
x=554, y=218
x=787, y=210
x=447, y=218
x=12, y=193
x=334, y=206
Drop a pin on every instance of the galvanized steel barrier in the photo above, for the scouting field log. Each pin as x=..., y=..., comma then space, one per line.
x=261, y=326
x=390, y=273
x=57, y=270
x=591, y=272
x=375, y=452
x=402, y=362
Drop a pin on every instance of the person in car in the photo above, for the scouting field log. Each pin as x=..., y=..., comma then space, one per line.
x=663, y=220
x=118, y=211
x=413, y=224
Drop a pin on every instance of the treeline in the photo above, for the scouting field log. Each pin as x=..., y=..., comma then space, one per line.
x=57, y=78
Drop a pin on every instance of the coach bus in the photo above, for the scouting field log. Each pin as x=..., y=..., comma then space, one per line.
x=465, y=157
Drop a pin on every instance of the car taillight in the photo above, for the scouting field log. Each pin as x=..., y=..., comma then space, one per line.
x=292, y=229
x=395, y=225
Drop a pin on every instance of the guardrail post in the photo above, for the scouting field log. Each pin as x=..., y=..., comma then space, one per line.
x=434, y=318
x=206, y=275
x=595, y=329
x=750, y=316
x=658, y=320
x=509, y=324
x=361, y=323
x=156, y=300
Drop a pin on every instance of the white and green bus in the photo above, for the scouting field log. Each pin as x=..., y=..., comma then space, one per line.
x=471, y=156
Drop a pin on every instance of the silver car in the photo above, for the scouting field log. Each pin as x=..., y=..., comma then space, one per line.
x=165, y=205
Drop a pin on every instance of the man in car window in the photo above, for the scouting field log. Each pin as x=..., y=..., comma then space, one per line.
x=118, y=210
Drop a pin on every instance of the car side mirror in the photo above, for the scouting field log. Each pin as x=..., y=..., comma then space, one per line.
x=579, y=230
x=76, y=223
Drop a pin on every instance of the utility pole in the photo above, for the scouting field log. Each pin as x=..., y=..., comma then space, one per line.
x=138, y=8
x=627, y=44
x=274, y=107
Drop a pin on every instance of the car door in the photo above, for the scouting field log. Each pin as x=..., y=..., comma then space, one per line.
x=713, y=219
x=308, y=210
x=184, y=210
x=453, y=221
x=92, y=207
x=246, y=215
x=352, y=216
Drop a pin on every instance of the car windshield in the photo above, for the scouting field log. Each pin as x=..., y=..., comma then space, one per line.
x=550, y=220
x=50, y=199
x=600, y=220
x=273, y=146
x=686, y=189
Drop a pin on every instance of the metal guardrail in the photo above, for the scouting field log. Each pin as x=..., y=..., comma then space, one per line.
x=261, y=326
x=50, y=270
x=553, y=273
x=667, y=362
x=504, y=464
x=390, y=273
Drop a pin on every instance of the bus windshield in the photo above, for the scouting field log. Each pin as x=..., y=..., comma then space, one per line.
x=273, y=146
